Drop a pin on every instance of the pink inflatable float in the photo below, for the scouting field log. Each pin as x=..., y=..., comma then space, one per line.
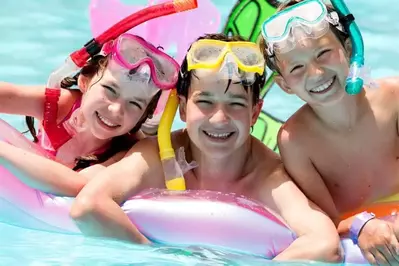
x=177, y=218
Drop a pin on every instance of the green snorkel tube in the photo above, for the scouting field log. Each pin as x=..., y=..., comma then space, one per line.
x=354, y=81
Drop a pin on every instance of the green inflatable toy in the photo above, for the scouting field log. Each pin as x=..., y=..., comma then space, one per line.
x=245, y=19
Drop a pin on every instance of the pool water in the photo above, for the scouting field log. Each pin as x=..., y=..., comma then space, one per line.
x=36, y=36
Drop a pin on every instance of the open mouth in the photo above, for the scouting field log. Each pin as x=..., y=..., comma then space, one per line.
x=218, y=136
x=105, y=122
x=326, y=86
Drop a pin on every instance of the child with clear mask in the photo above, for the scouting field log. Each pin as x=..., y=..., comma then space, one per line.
x=218, y=89
x=340, y=149
x=97, y=124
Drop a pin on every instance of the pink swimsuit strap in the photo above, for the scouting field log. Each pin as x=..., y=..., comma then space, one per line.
x=56, y=133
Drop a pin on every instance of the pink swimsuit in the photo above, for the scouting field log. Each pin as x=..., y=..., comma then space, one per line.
x=52, y=134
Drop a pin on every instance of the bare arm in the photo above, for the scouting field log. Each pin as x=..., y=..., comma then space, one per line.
x=21, y=100
x=317, y=238
x=44, y=174
x=96, y=209
x=29, y=100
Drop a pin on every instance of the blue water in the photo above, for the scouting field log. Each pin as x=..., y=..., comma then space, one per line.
x=35, y=38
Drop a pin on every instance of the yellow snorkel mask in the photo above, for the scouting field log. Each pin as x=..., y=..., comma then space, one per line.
x=228, y=60
x=235, y=59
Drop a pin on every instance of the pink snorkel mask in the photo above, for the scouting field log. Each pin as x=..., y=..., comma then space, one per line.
x=142, y=61
x=76, y=60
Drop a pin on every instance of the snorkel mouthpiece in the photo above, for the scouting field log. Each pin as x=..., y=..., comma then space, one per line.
x=354, y=81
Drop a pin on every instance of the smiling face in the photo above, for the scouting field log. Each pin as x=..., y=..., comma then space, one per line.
x=113, y=103
x=218, y=118
x=315, y=70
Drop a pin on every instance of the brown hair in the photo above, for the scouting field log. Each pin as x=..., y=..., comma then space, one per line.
x=271, y=64
x=118, y=143
x=184, y=80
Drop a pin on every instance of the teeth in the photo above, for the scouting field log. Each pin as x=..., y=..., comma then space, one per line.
x=323, y=87
x=106, y=121
x=219, y=135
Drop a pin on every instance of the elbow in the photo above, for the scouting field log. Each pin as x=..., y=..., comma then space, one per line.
x=83, y=206
x=330, y=249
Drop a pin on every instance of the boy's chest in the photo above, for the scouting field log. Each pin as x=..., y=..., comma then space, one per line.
x=361, y=165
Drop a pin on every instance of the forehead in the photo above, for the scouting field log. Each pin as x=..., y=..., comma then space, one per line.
x=308, y=46
x=211, y=86
x=127, y=86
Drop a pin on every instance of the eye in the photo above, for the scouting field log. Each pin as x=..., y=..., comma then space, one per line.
x=323, y=53
x=204, y=101
x=136, y=104
x=110, y=89
x=296, y=68
x=238, y=104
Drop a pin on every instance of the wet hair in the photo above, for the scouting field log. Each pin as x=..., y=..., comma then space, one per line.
x=185, y=76
x=119, y=143
x=270, y=62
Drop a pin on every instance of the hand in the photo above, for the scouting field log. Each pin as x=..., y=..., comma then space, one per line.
x=378, y=242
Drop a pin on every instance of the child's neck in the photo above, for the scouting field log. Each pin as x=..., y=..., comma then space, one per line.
x=88, y=142
x=83, y=136
x=215, y=172
x=344, y=114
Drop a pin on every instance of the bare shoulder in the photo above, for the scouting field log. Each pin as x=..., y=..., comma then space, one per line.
x=260, y=150
x=146, y=147
x=389, y=82
x=265, y=160
x=295, y=131
x=388, y=88
x=385, y=97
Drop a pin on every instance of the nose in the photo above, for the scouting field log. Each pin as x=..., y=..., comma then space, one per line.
x=219, y=117
x=116, y=108
x=315, y=70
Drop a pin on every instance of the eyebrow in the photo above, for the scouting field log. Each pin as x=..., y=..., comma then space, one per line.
x=204, y=93
x=238, y=96
x=111, y=84
x=231, y=95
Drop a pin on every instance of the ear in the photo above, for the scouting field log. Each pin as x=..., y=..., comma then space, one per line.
x=83, y=83
x=282, y=84
x=348, y=46
x=182, y=108
x=256, y=111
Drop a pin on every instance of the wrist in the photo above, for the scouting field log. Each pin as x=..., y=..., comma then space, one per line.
x=359, y=221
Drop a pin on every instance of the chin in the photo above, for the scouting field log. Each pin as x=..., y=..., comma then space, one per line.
x=102, y=135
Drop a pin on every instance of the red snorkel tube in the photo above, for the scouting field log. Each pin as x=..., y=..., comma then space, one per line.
x=77, y=59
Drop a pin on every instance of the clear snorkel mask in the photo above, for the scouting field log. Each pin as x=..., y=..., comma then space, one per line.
x=310, y=19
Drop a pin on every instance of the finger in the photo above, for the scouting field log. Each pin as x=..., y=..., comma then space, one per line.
x=370, y=258
x=394, y=248
x=379, y=257
x=389, y=257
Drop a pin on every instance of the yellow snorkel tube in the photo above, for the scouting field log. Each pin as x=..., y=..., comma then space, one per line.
x=173, y=174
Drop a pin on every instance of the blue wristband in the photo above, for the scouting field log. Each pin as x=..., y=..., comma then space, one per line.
x=358, y=223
